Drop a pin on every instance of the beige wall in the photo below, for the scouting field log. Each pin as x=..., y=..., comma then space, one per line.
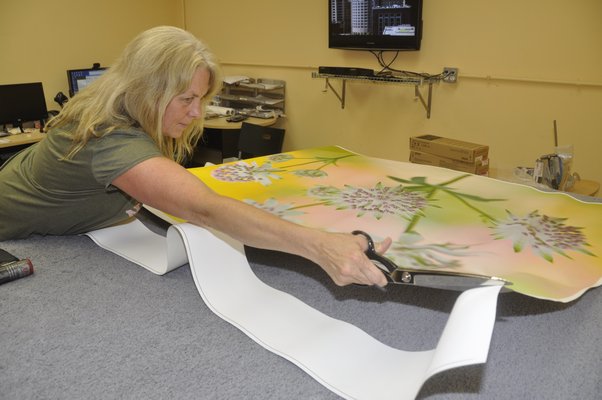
x=41, y=39
x=523, y=64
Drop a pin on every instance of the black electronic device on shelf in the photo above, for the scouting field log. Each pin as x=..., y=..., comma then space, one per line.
x=345, y=71
x=375, y=25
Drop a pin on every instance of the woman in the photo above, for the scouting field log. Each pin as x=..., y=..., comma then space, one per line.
x=119, y=142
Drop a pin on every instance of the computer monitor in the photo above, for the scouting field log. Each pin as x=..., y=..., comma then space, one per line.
x=80, y=78
x=22, y=102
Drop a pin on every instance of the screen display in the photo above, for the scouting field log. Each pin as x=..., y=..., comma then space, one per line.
x=80, y=78
x=22, y=102
x=375, y=24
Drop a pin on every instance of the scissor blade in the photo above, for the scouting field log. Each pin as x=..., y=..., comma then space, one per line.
x=450, y=282
x=445, y=280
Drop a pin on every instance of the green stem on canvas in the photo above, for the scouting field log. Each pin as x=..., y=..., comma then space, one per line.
x=325, y=160
x=320, y=203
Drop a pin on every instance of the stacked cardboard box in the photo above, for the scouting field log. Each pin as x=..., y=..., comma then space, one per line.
x=450, y=153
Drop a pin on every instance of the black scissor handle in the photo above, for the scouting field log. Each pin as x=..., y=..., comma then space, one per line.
x=371, y=248
x=383, y=263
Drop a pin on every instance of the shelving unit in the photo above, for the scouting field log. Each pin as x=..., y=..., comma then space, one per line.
x=403, y=80
x=254, y=96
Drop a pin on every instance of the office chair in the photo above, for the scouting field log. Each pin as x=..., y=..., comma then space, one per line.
x=256, y=140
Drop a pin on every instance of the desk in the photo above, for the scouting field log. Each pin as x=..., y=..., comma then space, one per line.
x=21, y=139
x=583, y=187
x=12, y=144
x=220, y=140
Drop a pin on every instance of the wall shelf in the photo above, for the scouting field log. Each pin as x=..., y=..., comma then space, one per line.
x=417, y=81
x=267, y=94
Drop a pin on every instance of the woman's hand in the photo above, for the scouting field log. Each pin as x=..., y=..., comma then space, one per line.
x=342, y=256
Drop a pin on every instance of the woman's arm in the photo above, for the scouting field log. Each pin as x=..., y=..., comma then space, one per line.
x=167, y=186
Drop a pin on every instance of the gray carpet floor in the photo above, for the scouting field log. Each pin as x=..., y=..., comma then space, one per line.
x=91, y=325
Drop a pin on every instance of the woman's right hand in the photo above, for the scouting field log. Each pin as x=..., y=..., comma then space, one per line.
x=342, y=256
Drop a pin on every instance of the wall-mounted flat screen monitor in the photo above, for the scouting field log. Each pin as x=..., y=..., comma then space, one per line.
x=375, y=24
x=22, y=102
x=80, y=78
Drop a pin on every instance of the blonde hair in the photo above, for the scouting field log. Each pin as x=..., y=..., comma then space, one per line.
x=156, y=66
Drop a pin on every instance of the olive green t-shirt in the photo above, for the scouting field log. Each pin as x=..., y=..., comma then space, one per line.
x=44, y=194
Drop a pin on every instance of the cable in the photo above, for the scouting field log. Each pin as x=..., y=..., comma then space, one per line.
x=386, y=66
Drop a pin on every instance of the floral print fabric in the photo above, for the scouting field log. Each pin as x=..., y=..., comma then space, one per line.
x=547, y=244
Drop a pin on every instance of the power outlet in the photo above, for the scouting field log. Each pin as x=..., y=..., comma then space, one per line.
x=450, y=74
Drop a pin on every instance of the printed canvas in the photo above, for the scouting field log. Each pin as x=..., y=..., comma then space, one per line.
x=547, y=244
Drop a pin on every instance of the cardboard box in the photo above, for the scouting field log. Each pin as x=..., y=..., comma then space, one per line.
x=449, y=148
x=479, y=167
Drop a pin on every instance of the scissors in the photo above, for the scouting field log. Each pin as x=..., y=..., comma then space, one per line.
x=428, y=278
